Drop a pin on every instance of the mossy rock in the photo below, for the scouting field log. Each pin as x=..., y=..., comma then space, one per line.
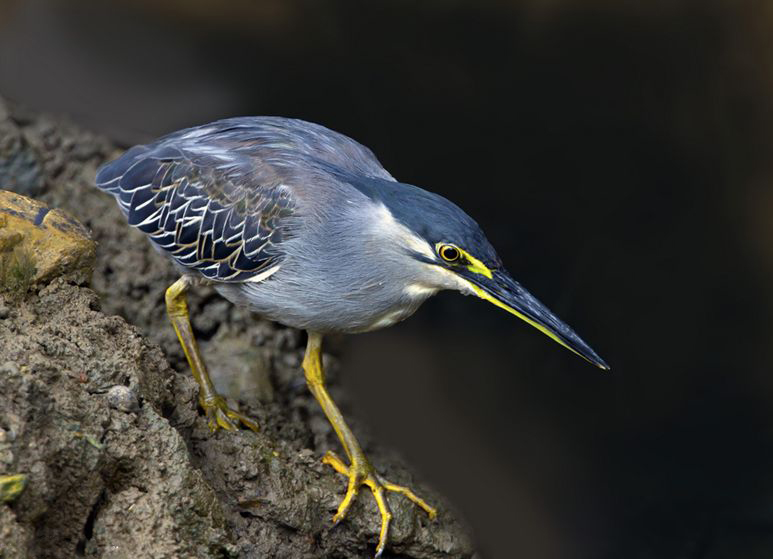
x=38, y=243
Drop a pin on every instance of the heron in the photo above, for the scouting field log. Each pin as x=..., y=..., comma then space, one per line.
x=305, y=227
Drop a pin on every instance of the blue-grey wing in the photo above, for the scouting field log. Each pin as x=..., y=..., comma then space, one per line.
x=217, y=197
x=210, y=208
x=286, y=142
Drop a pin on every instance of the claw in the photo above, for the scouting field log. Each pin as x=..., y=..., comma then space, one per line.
x=220, y=415
x=362, y=473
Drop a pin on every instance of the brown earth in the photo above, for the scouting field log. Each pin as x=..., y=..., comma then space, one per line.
x=98, y=409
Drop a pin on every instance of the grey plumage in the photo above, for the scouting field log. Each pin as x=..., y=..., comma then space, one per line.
x=232, y=199
x=305, y=226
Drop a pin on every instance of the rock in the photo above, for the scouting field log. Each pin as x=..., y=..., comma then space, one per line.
x=38, y=243
x=239, y=370
x=154, y=482
x=15, y=539
x=20, y=164
x=123, y=398
x=101, y=482
x=9, y=368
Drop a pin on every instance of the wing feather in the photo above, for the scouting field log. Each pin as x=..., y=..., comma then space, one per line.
x=217, y=198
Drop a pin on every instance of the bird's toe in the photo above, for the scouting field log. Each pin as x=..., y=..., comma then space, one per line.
x=221, y=416
x=360, y=473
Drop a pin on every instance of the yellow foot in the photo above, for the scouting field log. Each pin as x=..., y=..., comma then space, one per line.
x=362, y=473
x=220, y=415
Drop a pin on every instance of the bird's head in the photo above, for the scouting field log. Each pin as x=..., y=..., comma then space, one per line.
x=454, y=254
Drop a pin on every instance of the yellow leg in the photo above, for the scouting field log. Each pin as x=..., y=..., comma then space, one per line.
x=215, y=406
x=360, y=472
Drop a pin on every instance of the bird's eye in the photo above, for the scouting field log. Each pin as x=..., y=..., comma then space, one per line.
x=449, y=253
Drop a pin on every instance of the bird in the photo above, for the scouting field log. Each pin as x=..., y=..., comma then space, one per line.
x=306, y=228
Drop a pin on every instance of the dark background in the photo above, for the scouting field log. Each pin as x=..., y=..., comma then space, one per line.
x=617, y=154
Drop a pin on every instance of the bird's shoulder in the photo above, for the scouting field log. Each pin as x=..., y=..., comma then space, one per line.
x=268, y=150
x=240, y=160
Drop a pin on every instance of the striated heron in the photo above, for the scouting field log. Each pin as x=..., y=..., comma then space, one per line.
x=305, y=227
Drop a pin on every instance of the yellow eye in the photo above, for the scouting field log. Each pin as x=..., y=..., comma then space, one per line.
x=449, y=253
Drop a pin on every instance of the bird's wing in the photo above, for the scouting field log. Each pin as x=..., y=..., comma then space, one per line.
x=288, y=142
x=208, y=205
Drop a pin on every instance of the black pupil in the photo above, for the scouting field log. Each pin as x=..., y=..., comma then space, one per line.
x=450, y=253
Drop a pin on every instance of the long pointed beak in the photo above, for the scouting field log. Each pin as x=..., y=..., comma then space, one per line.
x=503, y=291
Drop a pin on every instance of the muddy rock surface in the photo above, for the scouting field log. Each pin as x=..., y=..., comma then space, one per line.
x=98, y=408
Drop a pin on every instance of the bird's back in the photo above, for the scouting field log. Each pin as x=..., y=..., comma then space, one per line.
x=216, y=198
